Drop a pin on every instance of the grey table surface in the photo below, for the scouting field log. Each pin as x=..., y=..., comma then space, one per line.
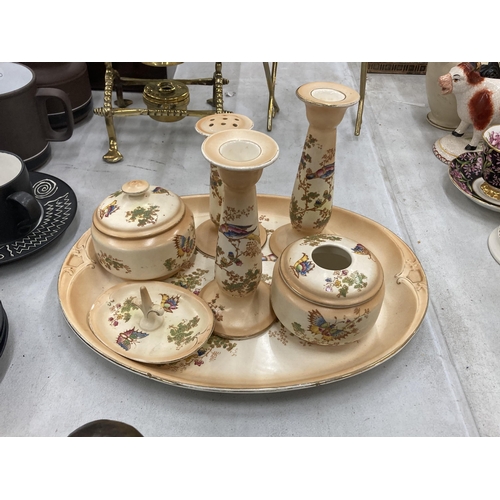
x=445, y=382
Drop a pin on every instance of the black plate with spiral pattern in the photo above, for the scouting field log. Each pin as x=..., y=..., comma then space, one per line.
x=59, y=208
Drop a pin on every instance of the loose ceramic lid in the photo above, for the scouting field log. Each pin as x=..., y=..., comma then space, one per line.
x=138, y=210
x=492, y=137
x=211, y=124
x=327, y=94
x=331, y=270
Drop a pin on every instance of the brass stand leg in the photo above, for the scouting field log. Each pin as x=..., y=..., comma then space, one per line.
x=272, y=107
x=120, y=101
x=217, y=100
x=113, y=155
x=361, y=104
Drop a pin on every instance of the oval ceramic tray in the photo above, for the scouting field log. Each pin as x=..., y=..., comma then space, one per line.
x=276, y=360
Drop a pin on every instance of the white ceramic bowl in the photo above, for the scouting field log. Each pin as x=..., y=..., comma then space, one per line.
x=327, y=289
x=143, y=232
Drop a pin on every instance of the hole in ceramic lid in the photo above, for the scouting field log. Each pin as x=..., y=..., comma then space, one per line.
x=328, y=95
x=331, y=257
x=240, y=150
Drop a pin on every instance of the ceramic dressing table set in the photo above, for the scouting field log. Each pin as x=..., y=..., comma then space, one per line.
x=230, y=291
x=238, y=292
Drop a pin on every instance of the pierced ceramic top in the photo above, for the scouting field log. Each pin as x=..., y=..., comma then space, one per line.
x=219, y=122
x=138, y=209
x=331, y=270
x=492, y=137
x=327, y=94
x=180, y=322
x=240, y=149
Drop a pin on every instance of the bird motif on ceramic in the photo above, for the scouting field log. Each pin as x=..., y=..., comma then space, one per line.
x=129, y=338
x=319, y=326
x=109, y=209
x=323, y=173
x=302, y=266
x=160, y=190
x=169, y=304
x=361, y=250
x=185, y=246
x=235, y=232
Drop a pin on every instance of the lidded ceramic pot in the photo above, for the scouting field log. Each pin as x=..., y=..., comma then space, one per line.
x=143, y=232
x=327, y=289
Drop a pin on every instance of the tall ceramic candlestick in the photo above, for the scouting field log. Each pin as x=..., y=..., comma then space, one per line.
x=206, y=232
x=311, y=201
x=241, y=302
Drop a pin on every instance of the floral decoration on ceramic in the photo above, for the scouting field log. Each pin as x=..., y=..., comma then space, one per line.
x=183, y=333
x=109, y=262
x=191, y=281
x=121, y=311
x=315, y=239
x=343, y=281
x=143, y=215
x=216, y=193
x=465, y=169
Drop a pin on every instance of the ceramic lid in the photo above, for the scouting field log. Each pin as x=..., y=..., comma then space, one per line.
x=211, y=124
x=138, y=210
x=331, y=270
x=492, y=137
x=328, y=94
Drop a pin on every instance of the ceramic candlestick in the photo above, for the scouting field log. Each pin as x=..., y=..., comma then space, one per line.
x=241, y=302
x=207, y=231
x=311, y=201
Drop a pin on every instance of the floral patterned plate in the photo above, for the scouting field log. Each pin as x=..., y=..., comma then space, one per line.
x=466, y=172
x=184, y=325
x=276, y=360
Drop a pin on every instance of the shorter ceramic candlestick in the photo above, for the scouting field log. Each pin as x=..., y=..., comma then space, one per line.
x=206, y=232
x=241, y=302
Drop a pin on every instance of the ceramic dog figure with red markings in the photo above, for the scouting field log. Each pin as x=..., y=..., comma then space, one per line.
x=478, y=100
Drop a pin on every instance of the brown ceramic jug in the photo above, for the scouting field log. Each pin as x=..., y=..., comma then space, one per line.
x=70, y=77
x=24, y=124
